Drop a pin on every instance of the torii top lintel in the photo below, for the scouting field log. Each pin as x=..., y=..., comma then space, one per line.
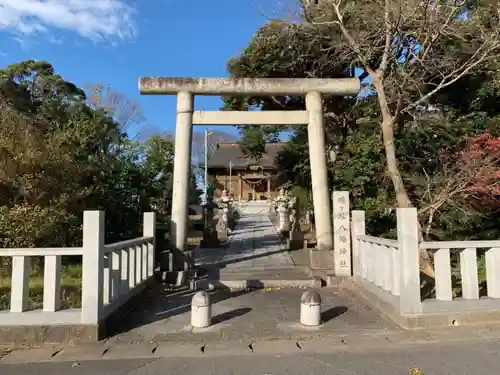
x=248, y=86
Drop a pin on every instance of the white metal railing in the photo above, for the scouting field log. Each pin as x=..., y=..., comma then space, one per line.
x=111, y=274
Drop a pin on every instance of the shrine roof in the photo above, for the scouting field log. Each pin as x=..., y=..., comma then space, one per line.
x=231, y=152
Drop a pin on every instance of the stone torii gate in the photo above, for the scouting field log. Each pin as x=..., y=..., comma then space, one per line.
x=187, y=88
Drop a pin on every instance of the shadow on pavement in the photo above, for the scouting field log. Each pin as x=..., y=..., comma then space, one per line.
x=249, y=225
x=159, y=303
x=246, y=246
x=223, y=264
x=333, y=313
x=230, y=315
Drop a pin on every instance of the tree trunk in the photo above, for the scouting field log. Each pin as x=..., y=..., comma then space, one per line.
x=402, y=199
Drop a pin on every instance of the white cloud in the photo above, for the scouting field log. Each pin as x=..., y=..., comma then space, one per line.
x=92, y=19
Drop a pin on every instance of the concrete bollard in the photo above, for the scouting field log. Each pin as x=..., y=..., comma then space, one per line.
x=201, y=310
x=310, y=308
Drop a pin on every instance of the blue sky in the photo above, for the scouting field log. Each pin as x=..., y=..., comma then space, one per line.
x=116, y=41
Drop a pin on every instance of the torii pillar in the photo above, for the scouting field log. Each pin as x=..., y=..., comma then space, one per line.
x=313, y=89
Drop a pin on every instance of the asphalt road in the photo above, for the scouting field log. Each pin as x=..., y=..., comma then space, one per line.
x=436, y=359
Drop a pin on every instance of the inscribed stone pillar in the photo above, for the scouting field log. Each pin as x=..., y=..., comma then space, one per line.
x=342, y=234
x=319, y=177
x=182, y=170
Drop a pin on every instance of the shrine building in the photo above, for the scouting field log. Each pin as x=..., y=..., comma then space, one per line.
x=245, y=177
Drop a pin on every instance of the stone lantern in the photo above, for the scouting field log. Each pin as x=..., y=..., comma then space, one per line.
x=209, y=235
x=284, y=219
x=226, y=207
x=230, y=212
x=296, y=237
x=293, y=207
x=223, y=223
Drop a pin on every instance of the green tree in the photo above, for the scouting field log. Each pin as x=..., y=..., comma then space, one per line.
x=62, y=153
x=411, y=58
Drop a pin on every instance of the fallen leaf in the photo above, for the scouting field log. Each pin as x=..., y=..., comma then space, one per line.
x=416, y=371
x=75, y=364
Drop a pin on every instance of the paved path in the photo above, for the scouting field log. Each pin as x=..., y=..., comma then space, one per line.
x=462, y=358
x=255, y=255
x=255, y=251
x=265, y=314
x=255, y=244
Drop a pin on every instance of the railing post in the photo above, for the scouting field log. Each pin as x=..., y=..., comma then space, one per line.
x=358, y=229
x=93, y=266
x=52, y=283
x=149, y=230
x=19, y=293
x=125, y=264
x=409, y=300
x=132, y=265
x=138, y=264
x=115, y=270
x=492, y=274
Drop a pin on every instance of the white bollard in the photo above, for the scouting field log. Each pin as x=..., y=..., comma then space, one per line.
x=201, y=310
x=310, y=308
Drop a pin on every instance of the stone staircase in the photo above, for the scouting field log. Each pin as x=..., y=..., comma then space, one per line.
x=255, y=256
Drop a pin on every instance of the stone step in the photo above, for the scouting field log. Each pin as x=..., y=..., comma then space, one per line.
x=206, y=284
x=265, y=283
x=256, y=269
x=264, y=275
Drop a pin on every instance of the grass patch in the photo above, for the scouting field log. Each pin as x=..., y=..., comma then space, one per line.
x=71, y=288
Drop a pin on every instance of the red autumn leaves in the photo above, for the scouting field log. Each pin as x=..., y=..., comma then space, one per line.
x=481, y=160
